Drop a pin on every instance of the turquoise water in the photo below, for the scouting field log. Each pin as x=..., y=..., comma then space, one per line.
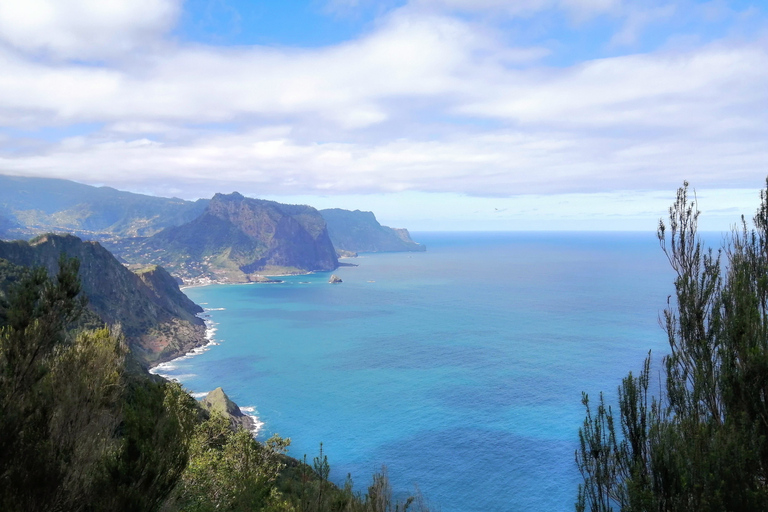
x=460, y=368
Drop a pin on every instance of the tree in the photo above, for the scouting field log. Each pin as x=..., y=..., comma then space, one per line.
x=702, y=443
x=229, y=470
x=76, y=431
x=58, y=390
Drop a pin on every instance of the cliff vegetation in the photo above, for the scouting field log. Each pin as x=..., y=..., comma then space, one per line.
x=34, y=206
x=228, y=238
x=82, y=430
x=156, y=319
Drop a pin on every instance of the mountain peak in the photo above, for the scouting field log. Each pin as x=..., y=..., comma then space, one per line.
x=228, y=197
x=237, y=237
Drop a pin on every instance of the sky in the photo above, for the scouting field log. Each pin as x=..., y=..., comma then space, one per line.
x=434, y=114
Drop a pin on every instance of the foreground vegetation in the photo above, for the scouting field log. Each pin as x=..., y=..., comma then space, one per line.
x=82, y=431
x=696, y=438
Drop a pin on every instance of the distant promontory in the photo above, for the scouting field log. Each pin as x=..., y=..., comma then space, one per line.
x=358, y=231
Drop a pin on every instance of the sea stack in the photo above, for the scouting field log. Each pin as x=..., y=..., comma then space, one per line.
x=217, y=401
x=335, y=279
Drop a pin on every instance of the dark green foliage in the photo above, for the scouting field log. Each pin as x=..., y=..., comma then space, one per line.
x=701, y=445
x=156, y=318
x=57, y=393
x=154, y=436
x=76, y=432
x=10, y=275
x=80, y=433
x=229, y=470
x=306, y=488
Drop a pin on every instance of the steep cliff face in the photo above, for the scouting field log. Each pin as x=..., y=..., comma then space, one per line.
x=166, y=292
x=157, y=319
x=357, y=231
x=238, y=236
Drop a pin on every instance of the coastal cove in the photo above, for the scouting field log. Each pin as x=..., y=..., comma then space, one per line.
x=460, y=368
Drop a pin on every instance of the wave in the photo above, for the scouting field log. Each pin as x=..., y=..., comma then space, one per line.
x=162, y=369
x=179, y=378
x=210, y=334
x=256, y=424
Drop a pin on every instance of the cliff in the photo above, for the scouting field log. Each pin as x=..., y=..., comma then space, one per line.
x=236, y=238
x=157, y=319
x=358, y=231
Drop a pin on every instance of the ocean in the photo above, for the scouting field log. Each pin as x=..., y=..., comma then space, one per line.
x=461, y=369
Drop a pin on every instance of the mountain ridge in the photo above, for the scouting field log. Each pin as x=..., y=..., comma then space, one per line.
x=229, y=238
x=34, y=206
x=237, y=239
x=157, y=319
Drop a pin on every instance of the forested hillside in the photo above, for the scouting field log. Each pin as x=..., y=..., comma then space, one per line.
x=33, y=206
x=81, y=429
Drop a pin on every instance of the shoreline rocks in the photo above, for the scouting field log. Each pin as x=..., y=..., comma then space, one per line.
x=217, y=401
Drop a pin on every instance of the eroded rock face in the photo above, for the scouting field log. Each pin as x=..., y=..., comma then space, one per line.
x=358, y=231
x=335, y=279
x=237, y=236
x=157, y=319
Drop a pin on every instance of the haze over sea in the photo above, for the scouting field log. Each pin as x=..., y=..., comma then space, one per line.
x=460, y=368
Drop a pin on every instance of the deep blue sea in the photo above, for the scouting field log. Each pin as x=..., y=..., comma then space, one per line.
x=460, y=368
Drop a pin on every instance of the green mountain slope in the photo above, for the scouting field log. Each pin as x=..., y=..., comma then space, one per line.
x=32, y=206
x=158, y=320
x=236, y=238
x=357, y=231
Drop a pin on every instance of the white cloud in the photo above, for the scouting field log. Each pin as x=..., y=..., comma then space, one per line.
x=703, y=89
x=424, y=102
x=410, y=57
x=84, y=29
x=504, y=162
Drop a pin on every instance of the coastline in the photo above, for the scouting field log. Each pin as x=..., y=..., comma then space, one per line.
x=210, y=330
x=255, y=425
x=256, y=279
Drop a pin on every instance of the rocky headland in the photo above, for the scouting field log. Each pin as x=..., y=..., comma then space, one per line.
x=358, y=231
x=238, y=240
